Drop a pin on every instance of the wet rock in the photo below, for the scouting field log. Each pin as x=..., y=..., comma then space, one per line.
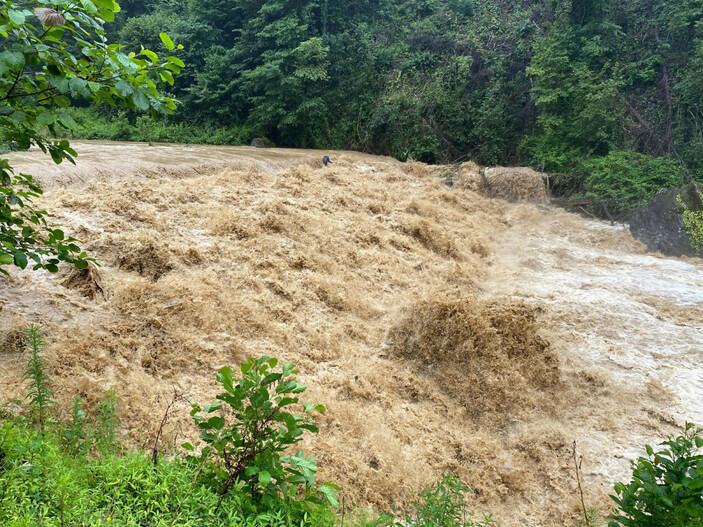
x=659, y=223
x=262, y=142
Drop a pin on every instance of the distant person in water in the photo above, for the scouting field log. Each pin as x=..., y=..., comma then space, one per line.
x=325, y=160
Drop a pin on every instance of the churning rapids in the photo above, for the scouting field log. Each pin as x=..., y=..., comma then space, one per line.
x=210, y=253
x=635, y=317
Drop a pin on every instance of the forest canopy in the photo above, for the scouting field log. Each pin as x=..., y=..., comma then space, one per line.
x=551, y=83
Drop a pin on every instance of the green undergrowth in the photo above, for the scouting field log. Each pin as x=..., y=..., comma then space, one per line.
x=666, y=489
x=693, y=222
x=43, y=485
x=121, y=126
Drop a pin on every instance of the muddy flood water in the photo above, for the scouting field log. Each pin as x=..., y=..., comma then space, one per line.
x=442, y=329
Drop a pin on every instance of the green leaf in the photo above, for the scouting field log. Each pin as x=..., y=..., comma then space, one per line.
x=153, y=57
x=12, y=59
x=286, y=401
x=107, y=4
x=329, y=491
x=166, y=76
x=45, y=118
x=175, y=60
x=209, y=408
x=20, y=260
x=89, y=6
x=216, y=422
x=264, y=478
x=167, y=41
x=16, y=16
x=107, y=15
x=140, y=100
x=67, y=121
x=224, y=376
x=6, y=259
x=78, y=86
x=62, y=101
x=188, y=447
x=124, y=88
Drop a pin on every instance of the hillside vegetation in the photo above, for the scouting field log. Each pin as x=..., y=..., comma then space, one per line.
x=540, y=82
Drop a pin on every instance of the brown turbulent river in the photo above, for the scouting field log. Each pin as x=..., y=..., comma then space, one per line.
x=442, y=329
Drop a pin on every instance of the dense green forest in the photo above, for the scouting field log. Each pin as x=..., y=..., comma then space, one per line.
x=559, y=84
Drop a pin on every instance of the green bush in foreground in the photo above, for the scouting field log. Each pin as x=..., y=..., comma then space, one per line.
x=667, y=486
x=245, y=445
x=41, y=484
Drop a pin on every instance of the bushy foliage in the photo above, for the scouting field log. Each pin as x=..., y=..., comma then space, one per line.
x=667, y=486
x=441, y=504
x=244, y=447
x=41, y=484
x=623, y=181
x=693, y=222
x=51, y=57
x=93, y=125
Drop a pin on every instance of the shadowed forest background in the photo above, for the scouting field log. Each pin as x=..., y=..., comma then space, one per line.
x=568, y=85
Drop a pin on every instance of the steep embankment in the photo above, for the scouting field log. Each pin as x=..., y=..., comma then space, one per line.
x=443, y=330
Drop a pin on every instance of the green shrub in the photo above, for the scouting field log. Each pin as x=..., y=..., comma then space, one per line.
x=693, y=221
x=244, y=445
x=439, y=505
x=623, y=181
x=667, y=486
x=40, y=484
